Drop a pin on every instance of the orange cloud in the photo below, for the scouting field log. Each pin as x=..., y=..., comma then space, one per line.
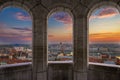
x=105, y=37
x=21, y=16
x=61, y=38
x=105, y=13
x=50, y=35
x=27, y=39
x=63, y=17
x=69, y=28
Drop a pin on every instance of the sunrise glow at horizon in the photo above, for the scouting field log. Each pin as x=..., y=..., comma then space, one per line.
x=104, y=25
x=16, y=26
x=60, y=27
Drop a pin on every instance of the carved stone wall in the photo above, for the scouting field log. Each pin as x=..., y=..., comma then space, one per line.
x=40, y=10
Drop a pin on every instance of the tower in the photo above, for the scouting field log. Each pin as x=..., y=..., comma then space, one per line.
x=61, y=47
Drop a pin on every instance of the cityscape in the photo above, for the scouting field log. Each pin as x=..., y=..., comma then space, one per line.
x=98, y=53
x=104, y=36
x=20, y=53
x=16, y=38
x=104, y=53
x=12, y=54
x=60, y=40
x=60, y=52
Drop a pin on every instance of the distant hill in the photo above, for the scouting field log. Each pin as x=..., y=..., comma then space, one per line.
x=15, y=45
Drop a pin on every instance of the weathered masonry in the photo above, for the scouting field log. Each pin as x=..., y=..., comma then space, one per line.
x=40, y=69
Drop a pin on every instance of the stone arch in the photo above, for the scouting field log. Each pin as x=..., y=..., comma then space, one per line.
x=16, y=4
x=97, y=6
x=22, y=6
x=64, y=4
x=59, y=9
x=102, y=3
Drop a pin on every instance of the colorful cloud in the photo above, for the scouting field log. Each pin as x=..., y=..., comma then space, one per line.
x=23, y=29
x=60, y=27
x=69, y=28
x=105, y=13
x=63, y=17
x=50, y=35
x=105, y=37
x=8, y=34
x=60, y=38
x=27, y=39
x=13, y=28
x=21, y=16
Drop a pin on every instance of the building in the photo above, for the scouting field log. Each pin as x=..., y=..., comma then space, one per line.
x=40, y=69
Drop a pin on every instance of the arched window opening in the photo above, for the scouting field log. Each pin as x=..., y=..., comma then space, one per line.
x=104, y=36
x=15, y=36
x=60, y=40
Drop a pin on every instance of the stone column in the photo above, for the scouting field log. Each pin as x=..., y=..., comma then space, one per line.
x=80, y=43
x=39, y=43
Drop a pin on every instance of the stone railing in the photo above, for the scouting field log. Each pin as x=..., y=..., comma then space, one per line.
x=21, y=71
x=98, y=71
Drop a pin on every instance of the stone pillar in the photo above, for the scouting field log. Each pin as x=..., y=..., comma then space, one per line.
x=80, y=44
x=39, y=43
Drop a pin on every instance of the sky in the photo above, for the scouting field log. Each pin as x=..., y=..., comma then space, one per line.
x=15, y=26
x=104, y=25
x=60, y=27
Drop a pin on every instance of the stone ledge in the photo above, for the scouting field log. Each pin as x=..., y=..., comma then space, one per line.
x=15, y=65
x=105, y=65
x=60, y=62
